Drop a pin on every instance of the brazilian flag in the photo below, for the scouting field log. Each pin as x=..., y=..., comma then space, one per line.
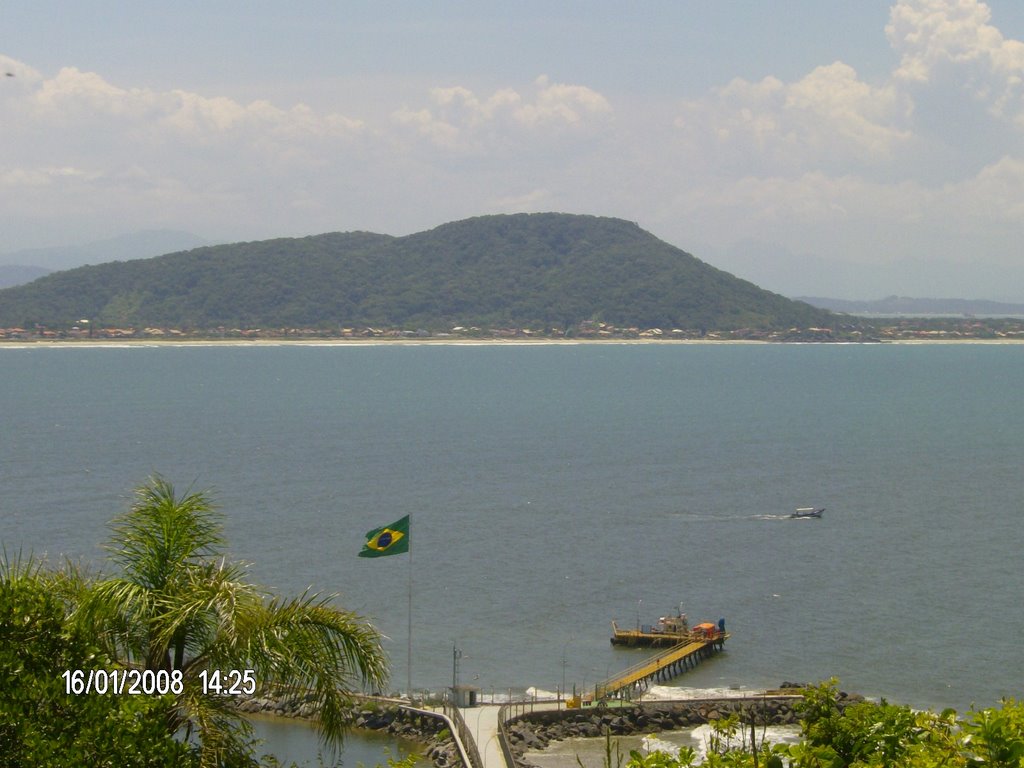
x=390, y=540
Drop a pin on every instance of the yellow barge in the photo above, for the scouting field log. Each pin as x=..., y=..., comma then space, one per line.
x=668, y=631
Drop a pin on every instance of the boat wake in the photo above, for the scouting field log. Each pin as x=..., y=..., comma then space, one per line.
x=697, y=518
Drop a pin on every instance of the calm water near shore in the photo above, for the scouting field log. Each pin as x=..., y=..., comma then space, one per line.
x=297, y=740
x=554, y=488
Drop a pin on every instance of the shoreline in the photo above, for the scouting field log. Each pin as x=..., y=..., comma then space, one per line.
x=482, y=342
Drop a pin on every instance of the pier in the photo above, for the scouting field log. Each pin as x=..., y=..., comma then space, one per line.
x=661, y=667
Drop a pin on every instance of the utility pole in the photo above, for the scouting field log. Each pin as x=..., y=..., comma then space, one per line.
x=456, y=655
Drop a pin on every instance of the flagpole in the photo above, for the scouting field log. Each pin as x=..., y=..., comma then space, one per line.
x=408, y=668
x=394, y=539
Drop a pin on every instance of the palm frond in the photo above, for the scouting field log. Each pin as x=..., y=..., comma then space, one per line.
x=178, y=605
x=318, y=635
x=163, y=531
x=114, y=612
x=307, y=645
x=20, y=567
x=204, y=608
x=223, y=734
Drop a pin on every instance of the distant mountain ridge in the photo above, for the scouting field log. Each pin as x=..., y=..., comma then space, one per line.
x=903, y=305
x=19, y=274
x=542, y=270
x=136, y=245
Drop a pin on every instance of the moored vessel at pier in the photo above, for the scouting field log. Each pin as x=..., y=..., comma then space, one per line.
x=668, y=631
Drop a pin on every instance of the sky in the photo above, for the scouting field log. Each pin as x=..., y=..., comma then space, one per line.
x=815, y=147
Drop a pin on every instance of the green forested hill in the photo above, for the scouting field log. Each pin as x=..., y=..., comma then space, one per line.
x=527, y=270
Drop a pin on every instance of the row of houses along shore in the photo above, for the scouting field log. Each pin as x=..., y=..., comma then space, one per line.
x=856, y=330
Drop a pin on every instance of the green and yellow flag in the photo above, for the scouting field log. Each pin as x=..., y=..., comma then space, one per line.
x=390, y=540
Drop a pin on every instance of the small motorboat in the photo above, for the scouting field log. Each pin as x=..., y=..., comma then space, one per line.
x=808, y=512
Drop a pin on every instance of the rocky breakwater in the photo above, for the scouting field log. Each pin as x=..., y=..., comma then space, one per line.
x=536, y=730
x=426, y=728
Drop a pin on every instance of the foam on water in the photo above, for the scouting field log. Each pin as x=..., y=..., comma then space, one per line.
x=654, y=743
x=591, y=751
x=538, y=694
x=674, y=693
x=703, y=736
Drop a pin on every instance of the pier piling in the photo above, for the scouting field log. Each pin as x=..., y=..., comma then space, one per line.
x=661, y=667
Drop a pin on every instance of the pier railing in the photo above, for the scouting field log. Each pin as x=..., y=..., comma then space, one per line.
x=507, y=713
x=668, y=662
x=506, y=750
x=514, y=709
x=468, y=742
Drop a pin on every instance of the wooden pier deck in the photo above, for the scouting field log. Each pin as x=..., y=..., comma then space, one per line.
x=662, y=666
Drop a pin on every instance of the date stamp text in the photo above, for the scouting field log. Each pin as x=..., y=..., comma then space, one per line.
x=148, y=682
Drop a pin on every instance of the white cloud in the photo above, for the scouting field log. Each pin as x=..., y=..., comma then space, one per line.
x=74, y=90
x=43, y=176
x=532, y=201
x=929, y=33
x=830, y=117
x=952, y=40
x=901, y=169
x=26, y=177
x=74, y=101
x=437, y=130
x=93, y=151
x=206, y=117
x=798, y=209
x=994, y=196
x=473, y=110
x=460, y=119
x=561, y=103
x=836, y=102
x=19, y=72
x=185, y=158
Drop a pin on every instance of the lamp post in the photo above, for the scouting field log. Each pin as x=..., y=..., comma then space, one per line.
x=456, y=655
x=565, y=645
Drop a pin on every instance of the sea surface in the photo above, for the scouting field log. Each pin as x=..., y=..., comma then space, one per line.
x=553, y=488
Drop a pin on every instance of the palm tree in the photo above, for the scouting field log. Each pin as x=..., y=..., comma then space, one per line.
x=180, y=608
x=40, y=724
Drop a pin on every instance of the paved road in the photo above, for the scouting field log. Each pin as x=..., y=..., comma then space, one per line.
x=482, y=722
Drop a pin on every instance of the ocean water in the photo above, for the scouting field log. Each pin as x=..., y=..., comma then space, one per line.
x=554, y=488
